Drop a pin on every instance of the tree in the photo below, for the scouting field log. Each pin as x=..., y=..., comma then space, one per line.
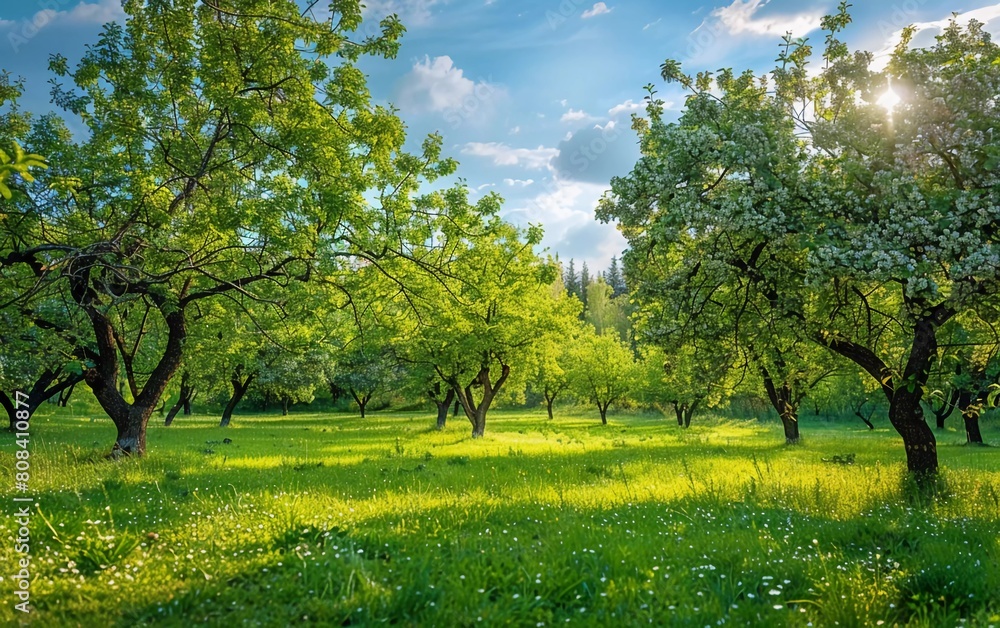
x=551, y=377
x=185, y=395
x=481, y=326
x=584, y=284
x=686, y=378
x=36, y=360
x=288, y=374
x=366, y=368
x=613, y=277
x=227, y=148
x=19, y=164
x=606, y=313
x=895, y=223
x=603, y=369
x=572, y=281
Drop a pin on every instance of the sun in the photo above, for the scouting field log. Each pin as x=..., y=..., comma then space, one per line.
x=889, y=100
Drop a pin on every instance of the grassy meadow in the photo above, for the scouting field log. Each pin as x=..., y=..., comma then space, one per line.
x=327, y=519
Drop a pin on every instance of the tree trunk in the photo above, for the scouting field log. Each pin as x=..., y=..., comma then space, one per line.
x=864, y=418
x=9, y=407
x=689, y=412
x=45, y=387
x=174, y=409
x=240, y=387
x=68, y=392
x=362, y=400
x=907, y=417
x=479, y=424
x=285, y=402
x=183, y=400
x=971, y=405
x=132, y=418
x=679, y=411
x=905, y=412
x=603, y=408
x=783, y=401
x=972, y=434
x=443, y=405
x=336, y=392
x=548, y=405
x=790, y=421
x=947, y=407
x=131, y=439
x=476, y=413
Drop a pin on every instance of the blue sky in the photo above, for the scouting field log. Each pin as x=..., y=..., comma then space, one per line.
x=534, y=97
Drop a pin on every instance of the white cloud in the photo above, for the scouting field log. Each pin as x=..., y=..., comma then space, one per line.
x=515, y=131
x=504, y=155
x=986, y=15
x=566, y=209
x=740, y=17
x=629, y=106
x=518, y=182
x=439, y=85
x=100, y=12
x=574, y=115
x=410, y=12
x=598, y=9
x=81, y=17
x=652, y=24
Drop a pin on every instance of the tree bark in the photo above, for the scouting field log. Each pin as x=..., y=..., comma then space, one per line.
x=972, y=433
x=68, y=392
x=604, y=412
x=783, y=401
x=285, y=402
x=679, y=411
x=476, y=412
x=550, y=398
x=240, y=386
x=443, y=405
x=689, y=412
x=183, y=401
x=971, y=405
x=362, y=400
x=45, y=387
x=131, y=419
x=941, y=414
x=905, y=412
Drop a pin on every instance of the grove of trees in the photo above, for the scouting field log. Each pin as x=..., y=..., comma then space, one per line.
x=239, y=223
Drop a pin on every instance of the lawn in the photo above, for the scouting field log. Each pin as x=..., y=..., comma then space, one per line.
x=328, y=519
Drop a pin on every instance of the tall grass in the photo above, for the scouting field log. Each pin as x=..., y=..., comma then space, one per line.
x=332, y=520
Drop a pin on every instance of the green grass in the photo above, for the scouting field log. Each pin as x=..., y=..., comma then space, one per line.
x=331, y=520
